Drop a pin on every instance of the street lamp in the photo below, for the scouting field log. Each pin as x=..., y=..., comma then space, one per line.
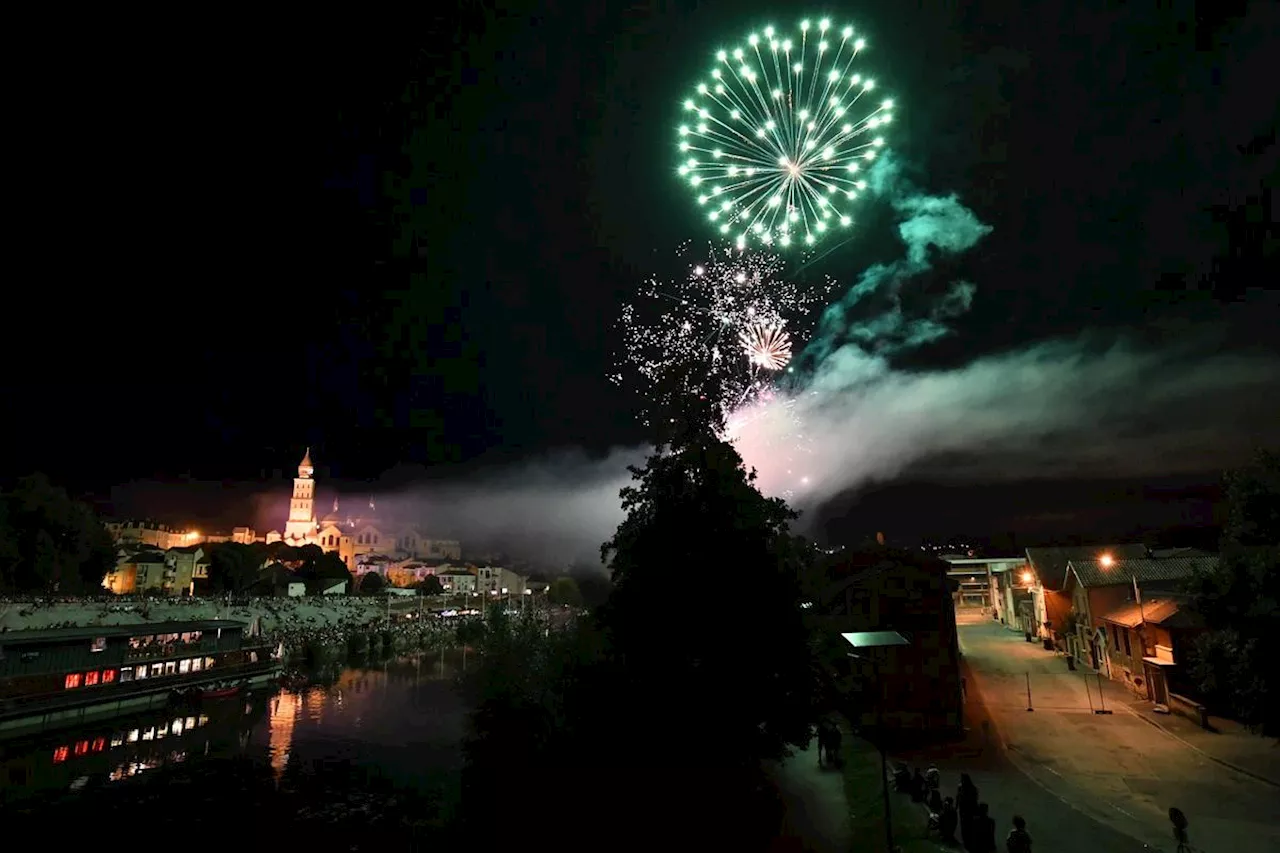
x=878, y=640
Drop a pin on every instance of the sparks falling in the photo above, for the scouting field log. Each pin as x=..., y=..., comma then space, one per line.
x=705, y=320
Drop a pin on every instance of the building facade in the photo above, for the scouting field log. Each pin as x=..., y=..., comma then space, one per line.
x=497, y=581
x=1050, y=605
x=151, y=534
x=172, y=572
x=354, y=536
x=1102, y=590
x=460, y=581
x=978, y=582
x=916, y=687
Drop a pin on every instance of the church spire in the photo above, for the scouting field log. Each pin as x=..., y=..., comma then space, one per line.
x=305, y=468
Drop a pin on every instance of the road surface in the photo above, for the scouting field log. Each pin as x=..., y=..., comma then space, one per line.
x=1118, y=769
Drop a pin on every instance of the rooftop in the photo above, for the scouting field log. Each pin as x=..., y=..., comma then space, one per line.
x=1050, y=564
x=1092, y=573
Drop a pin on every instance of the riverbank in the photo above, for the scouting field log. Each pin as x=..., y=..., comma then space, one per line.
x=275, y=613
x=297, y=623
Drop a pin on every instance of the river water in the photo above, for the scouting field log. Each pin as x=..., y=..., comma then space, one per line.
x=357, y=755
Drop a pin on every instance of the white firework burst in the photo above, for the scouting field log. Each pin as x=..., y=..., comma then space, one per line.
x=699, y=321
x=766, y=346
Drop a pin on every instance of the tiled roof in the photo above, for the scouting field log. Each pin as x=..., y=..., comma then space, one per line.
x=1166, y=553
x=1050, y=564
x=1091, y=573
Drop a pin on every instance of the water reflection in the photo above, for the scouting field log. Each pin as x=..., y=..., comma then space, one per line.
x=284, y=712
x=396, y=721
x=80, y=761
x=399, y=715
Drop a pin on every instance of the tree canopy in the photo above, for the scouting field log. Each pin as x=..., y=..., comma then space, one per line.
x=565, y=591
x=234, y=567
x=50, y=542
x=431, y=585
x=637, y=711
x=740, y=666
x=372, y=583
x=1233, y=662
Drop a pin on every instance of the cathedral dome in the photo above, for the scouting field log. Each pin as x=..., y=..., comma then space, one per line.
x=333, y=517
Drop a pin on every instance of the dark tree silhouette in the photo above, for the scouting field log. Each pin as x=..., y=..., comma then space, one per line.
x=631, y=714
x=234, y=567
x=372, y=583
x=52, y=543
x=741, y=666
x=565, y=591
x=1240, y=601
x=431, y=586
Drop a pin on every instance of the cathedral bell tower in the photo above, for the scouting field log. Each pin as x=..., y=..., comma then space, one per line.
x=301, y=526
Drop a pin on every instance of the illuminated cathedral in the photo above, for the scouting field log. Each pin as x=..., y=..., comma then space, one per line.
x=353, y=536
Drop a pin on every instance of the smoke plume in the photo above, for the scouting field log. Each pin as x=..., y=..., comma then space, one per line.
x=1083, y=407
x=1092, y=406
x=557, y=510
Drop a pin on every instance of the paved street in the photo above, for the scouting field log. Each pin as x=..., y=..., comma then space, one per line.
x=1054, y=823
x=1120, y=769
x=816, y=814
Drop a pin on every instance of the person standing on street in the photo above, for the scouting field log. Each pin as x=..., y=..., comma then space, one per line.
x=983, y=831
x=1019, y=840
x=966, y=808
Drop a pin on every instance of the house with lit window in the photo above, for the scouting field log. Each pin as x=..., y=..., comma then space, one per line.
x=1148, y=638
x=151, y=534
x=456, y=580
x=1102, y=587
x=1050, y=606
x=143, y=571
x=185, y=566
x=373, y=562
x=494, y=581
x=410, y=571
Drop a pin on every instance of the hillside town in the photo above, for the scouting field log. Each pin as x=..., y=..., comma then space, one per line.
x=153, y=558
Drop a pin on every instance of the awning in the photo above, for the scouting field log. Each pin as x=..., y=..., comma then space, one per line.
x=1159, y=661
x=1129, y=615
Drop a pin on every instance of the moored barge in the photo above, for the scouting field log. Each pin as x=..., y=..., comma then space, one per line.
x=65, y=677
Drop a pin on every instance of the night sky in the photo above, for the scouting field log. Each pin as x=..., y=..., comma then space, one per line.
x=239, y=254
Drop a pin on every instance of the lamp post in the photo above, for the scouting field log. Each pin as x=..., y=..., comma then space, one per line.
x=878, y=640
